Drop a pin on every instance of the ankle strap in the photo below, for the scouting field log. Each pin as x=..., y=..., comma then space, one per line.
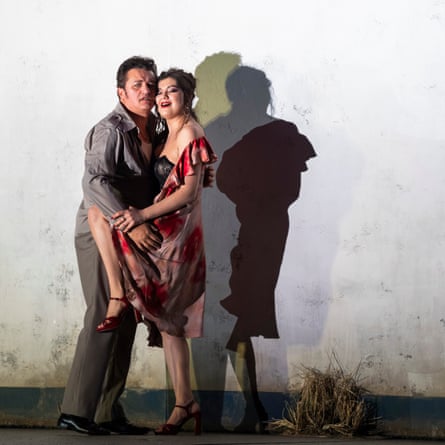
x=186, y=407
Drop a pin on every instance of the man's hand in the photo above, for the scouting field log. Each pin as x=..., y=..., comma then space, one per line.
x=146, y=237
x=209, y=176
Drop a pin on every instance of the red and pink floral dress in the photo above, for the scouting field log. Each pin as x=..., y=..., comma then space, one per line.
x=167, y=286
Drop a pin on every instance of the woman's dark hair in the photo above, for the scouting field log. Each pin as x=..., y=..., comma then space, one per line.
x=145, y=63
x=187, y=83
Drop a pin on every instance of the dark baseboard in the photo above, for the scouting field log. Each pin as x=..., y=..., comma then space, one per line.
x=415, y=417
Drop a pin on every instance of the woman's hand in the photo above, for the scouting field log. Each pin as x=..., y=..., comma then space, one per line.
x=209, y=176
x=125, y=220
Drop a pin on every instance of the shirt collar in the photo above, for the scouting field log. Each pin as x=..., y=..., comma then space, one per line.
x=126, y=123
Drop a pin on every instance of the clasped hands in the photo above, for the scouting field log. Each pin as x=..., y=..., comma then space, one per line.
x=125, y=220
x=146, y=236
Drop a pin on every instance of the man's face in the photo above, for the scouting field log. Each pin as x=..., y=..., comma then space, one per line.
x=138, y=95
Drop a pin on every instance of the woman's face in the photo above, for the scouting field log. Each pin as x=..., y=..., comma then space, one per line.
x=169, y=99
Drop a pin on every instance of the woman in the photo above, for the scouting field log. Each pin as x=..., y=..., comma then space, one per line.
x=167, y=287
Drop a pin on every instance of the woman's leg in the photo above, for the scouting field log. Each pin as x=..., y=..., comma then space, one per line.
x=177, y=357
x=101, y=232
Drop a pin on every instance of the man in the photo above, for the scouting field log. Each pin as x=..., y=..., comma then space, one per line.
x=117, y=175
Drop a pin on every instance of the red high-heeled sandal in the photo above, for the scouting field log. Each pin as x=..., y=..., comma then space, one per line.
x=170, y=429
x=111, y=323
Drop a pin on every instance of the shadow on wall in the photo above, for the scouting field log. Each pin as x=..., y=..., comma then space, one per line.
x=246, y=222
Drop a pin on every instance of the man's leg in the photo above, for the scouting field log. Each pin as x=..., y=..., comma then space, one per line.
x=109, y=408
x=110, y=413
x=93, y=351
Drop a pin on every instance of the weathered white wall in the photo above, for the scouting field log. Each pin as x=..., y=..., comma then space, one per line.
x=363, y=271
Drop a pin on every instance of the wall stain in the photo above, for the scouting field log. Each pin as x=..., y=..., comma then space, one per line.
x=406, y=356
x=37, y=326
x=9, y=360
x=58, y=345
x=61, y=286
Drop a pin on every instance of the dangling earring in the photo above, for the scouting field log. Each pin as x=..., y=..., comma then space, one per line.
x=187, y=113
x=160, y=125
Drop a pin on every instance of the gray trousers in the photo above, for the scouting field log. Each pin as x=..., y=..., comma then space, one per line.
x=102, y=360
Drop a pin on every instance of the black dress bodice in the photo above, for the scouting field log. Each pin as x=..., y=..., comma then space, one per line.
x=162, y=168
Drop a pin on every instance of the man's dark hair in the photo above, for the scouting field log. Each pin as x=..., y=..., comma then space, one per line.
x=145, y=63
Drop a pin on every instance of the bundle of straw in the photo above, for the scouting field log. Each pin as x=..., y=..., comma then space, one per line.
x=329, y=402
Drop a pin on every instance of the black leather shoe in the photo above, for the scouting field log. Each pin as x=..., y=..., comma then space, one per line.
x=123, y=426
x=80, y=425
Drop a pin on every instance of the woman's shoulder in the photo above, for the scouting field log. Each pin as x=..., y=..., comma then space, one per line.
x=189, y=133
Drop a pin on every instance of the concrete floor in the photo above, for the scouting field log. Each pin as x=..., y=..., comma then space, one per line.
x=18, y=436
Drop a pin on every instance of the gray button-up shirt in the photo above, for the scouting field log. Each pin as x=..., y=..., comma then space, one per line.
x=116, y=172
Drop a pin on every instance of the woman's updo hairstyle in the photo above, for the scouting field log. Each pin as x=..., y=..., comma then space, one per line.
x=187, y=83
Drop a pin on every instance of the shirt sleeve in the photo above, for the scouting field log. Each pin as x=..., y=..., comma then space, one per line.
x=102, y=147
